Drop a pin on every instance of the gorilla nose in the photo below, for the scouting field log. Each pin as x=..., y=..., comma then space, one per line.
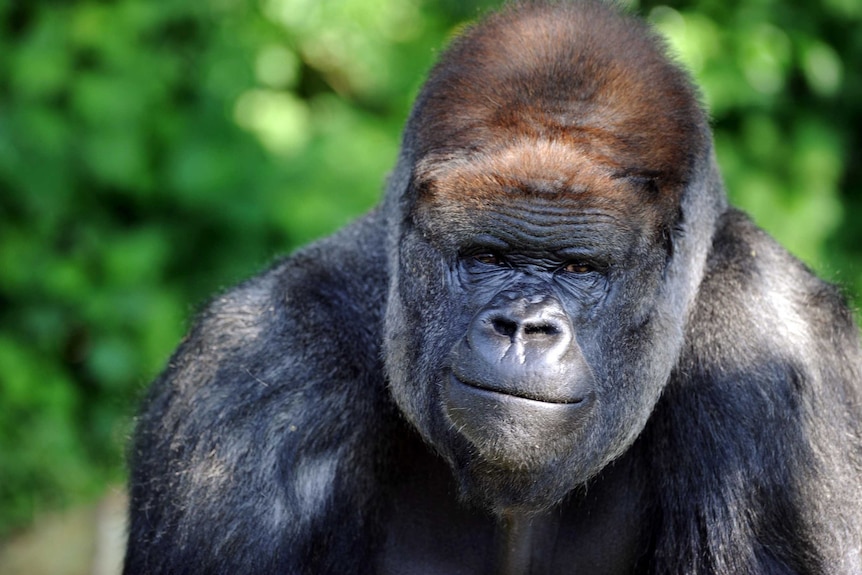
x=522, y=345
x=524, y=331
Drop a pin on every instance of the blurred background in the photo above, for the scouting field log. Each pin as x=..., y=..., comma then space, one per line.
x=154, y=152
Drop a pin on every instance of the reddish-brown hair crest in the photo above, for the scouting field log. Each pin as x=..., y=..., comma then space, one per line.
x=573, y=92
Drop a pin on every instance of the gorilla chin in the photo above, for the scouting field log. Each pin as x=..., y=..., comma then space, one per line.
x=510, y=464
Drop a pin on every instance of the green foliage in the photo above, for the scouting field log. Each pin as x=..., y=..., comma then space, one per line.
x=155, y=151
x=778, y=80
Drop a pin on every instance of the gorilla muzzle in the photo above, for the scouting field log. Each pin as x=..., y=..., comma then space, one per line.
x=518, y=374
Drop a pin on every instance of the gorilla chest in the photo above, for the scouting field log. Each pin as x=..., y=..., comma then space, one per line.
x=427, y=530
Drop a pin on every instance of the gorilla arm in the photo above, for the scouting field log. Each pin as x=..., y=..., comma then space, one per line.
x=240, y=454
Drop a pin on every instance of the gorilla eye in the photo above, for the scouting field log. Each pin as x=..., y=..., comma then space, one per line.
x=578, y=268
x=488, y=258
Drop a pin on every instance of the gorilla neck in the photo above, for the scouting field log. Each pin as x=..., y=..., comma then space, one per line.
x=427, y=528
x=520, y=538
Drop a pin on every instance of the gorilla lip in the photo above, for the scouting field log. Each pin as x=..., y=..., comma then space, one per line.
x=502, y=425
x=517, y=396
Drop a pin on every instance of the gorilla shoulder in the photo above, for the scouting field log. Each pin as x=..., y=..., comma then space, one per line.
x=321, y=305
x=756, y=296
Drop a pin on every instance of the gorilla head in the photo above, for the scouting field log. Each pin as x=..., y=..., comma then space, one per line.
x=542, y=262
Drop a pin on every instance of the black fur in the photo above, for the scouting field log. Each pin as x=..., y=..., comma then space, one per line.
x=308, y=424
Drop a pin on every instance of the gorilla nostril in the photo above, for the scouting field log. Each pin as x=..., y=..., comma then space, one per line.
x=541, y=329
x=505, y=326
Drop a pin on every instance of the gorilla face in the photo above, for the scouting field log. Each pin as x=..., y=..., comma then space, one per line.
x=540, y=264
x=525, y=317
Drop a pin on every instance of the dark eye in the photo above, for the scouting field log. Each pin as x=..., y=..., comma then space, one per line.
x=578, y=268
x=488, y=258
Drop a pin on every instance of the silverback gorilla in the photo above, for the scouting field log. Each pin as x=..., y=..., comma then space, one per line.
x=553, y=348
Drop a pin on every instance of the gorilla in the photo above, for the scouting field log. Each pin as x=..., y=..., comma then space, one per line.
x=552, y=348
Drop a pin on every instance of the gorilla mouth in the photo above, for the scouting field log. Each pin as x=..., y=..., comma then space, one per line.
x=519, y=394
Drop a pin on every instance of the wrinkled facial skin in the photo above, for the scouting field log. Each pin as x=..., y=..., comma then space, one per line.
x=530, y=369
x=536, y=299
